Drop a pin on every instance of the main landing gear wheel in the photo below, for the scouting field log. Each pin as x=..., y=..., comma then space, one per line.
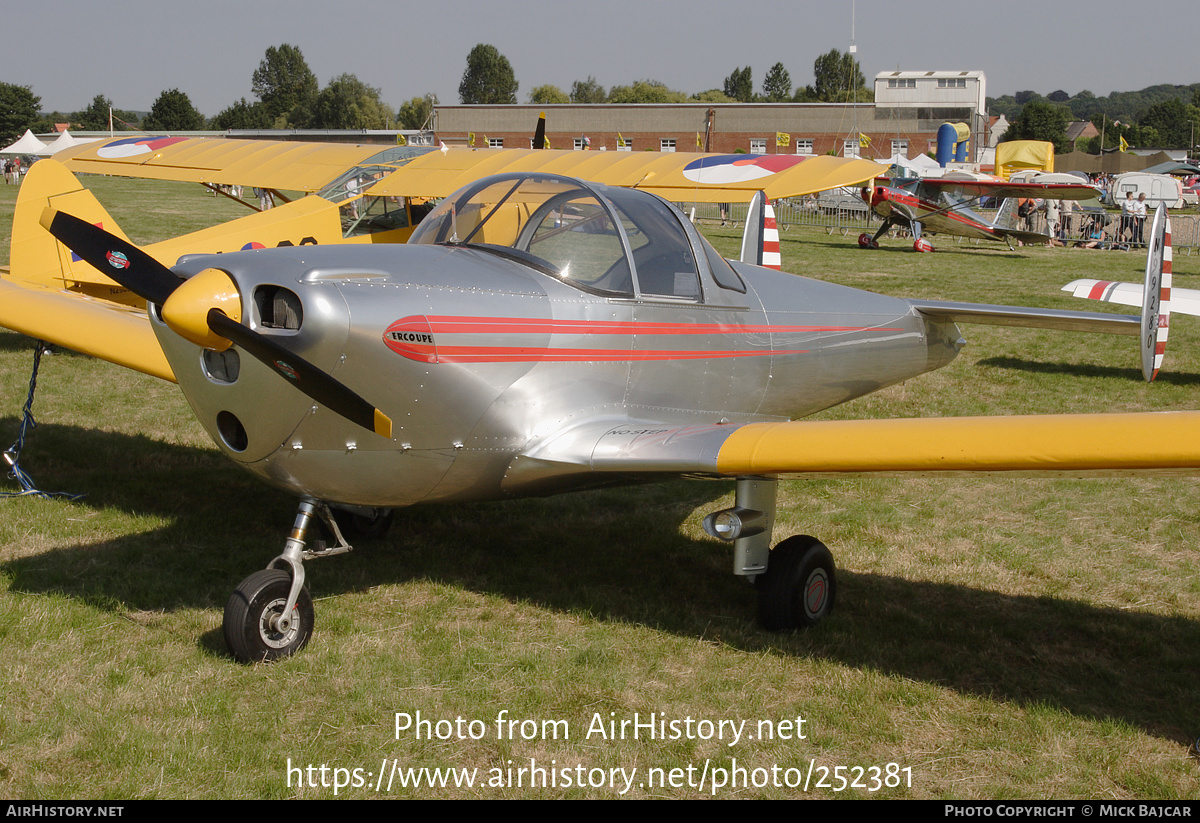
x=866, y=241
x=252, y=614
x=799, y=587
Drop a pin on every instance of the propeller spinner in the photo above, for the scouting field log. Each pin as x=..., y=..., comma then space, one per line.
x=207, y=311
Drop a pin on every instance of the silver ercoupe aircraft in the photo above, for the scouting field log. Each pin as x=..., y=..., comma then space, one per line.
x=540, y=334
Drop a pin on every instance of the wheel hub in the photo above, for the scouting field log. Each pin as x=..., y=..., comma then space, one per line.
x=276, y=629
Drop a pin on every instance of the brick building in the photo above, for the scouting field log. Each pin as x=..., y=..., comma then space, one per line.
x=908, y=109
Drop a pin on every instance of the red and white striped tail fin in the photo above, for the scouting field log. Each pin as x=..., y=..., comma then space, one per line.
x=760, y=240
x=771, y=257
x=1156, y=305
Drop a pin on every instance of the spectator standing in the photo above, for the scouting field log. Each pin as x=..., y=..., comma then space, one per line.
x=1139, y=219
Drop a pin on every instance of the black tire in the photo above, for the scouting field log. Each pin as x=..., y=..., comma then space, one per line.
x=368, y=527
x=799, y=587
x=248, y=632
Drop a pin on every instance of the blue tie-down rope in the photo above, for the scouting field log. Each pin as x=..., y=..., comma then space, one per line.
x=13, y=452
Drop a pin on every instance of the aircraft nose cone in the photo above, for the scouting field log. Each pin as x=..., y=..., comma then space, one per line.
x=186, y=310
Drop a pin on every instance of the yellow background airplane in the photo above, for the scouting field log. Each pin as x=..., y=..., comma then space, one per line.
x=358, y=194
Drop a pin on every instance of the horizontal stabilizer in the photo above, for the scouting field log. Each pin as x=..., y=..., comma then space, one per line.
x=113, y=332
x=1027, y=317
x=1183, y=301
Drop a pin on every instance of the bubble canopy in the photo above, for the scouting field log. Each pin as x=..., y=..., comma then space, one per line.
x=598, y=238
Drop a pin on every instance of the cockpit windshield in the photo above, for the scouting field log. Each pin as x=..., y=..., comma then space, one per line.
x=595, y=238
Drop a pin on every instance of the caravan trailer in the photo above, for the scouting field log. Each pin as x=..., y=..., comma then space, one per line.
x=1158, y=188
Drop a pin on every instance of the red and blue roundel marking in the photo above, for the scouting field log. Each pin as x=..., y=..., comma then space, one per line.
x=133, y=146
x=117, y=260
x=738, y=168
x=252, y=245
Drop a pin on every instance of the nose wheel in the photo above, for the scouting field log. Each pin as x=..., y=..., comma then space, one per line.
x=257, y=627
x=270, y=613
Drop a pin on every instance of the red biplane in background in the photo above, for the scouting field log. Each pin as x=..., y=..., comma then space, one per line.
x=943, y=205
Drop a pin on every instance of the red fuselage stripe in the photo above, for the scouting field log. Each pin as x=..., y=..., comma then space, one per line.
x=501, y=354
x=533, y=325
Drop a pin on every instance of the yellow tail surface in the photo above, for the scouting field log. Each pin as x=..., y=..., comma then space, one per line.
x=50, y=294
x=36, y=257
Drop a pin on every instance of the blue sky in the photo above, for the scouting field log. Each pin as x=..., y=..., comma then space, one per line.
x=131, y=50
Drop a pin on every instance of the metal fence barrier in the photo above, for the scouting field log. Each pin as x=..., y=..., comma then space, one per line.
x=840, y=216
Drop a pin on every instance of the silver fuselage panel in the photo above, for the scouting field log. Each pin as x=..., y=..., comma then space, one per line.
x=480, y=357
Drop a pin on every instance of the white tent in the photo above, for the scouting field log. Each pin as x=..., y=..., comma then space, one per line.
x=28, y=144
x=921, y=166
x=66, y=141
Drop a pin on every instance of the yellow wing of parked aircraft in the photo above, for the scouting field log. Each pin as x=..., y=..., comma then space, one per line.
x=428, y=172
x=357, y=194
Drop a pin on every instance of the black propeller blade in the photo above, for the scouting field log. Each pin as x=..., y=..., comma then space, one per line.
x=116, y=258
x=300, y=373
x=151, y=280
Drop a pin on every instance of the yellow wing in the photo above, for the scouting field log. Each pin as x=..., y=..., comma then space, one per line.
x=1069, y=443
x=1076, y=444
x=268, y=164
x=679, y=177
x=50, y=294
x=427, y=172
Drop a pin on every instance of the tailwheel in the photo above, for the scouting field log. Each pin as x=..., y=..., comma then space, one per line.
x=255, y=630
x=866, y=241
x=799, y=587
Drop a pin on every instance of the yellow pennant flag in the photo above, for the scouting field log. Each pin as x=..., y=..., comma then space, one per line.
x=401, y=140
x=471, y=139
x=699, y=141
x=863, y=140
x=620, y=141
x=782, y=139
x=1124, y=145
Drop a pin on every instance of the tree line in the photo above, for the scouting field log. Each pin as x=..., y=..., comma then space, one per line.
x=289, y=97
x=838, y=78
x=1162, y=116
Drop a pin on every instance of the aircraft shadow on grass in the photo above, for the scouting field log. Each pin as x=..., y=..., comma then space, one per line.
x=615, y=554
x=839, y=243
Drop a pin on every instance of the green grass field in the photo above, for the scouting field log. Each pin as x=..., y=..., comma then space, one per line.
x=994, y=637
